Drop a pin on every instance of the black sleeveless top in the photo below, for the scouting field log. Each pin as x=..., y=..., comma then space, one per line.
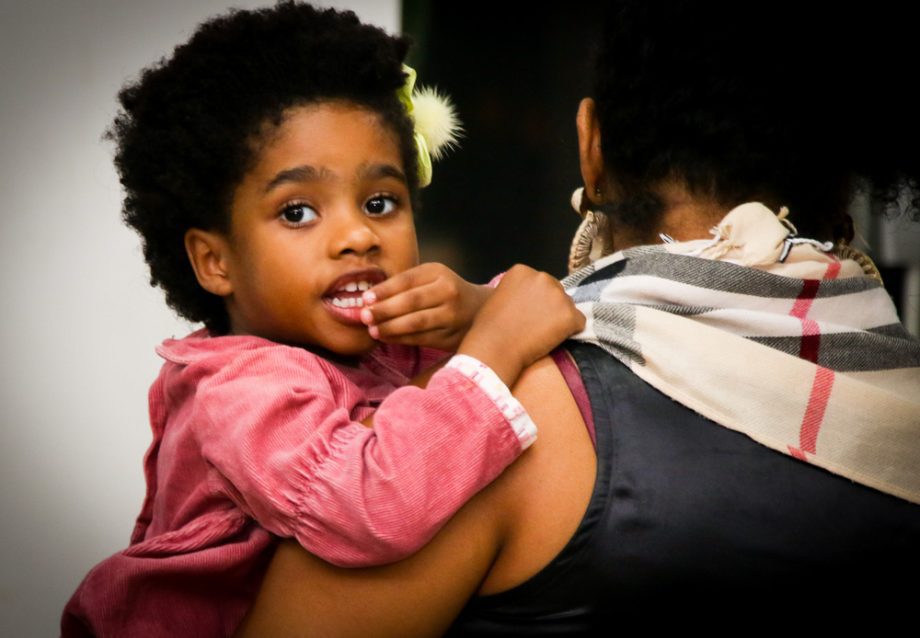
x=691, y=522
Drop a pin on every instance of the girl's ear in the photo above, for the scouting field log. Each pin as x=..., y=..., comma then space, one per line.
x=589, y=151
x=208, y=252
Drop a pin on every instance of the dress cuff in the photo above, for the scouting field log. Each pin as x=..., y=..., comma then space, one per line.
x=493, y=387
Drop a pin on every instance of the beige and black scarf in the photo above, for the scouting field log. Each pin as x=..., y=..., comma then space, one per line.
x=794, y=344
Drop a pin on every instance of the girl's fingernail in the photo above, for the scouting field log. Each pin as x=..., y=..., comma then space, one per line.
x=375, y=332
x=367, y=317
x=369, y=297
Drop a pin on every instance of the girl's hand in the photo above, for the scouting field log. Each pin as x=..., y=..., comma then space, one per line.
x=429, y=305
x=527, y=316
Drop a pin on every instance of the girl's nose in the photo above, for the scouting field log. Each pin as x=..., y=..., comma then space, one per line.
x=354, y=235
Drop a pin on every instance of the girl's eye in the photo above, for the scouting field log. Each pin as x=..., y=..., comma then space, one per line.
x=298, y=214
x=380, y=205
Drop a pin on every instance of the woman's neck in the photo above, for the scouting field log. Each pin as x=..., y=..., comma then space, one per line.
x=685, y=217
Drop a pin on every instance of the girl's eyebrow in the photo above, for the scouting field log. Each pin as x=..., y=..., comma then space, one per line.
x=303, y=173
x=308, y=173
x=379, y=171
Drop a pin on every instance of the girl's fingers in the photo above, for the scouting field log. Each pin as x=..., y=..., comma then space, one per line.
x=400, y=282
x=405, y=302
x=412, y=324
x=428, y=339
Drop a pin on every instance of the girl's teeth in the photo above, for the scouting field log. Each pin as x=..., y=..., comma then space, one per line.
x=348, y=302
x=354, y=286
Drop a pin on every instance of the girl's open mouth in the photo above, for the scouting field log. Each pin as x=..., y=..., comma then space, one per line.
x=343, y=298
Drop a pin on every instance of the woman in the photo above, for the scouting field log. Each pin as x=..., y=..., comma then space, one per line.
x=758, y=369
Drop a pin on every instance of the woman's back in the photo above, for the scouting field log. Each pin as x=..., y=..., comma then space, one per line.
x=686, y=514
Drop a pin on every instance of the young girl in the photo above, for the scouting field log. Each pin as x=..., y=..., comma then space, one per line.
x=270, y=167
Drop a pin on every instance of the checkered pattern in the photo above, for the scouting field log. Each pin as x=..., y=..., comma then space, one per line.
x=787, y=343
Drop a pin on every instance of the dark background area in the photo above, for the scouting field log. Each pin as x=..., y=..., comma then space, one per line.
x=516, y=72
x=516, y=75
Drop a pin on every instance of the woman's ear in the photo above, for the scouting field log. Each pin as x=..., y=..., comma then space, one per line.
x=208, y=252
x=589, y=151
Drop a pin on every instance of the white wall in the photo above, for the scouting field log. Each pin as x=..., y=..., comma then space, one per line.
x=79, y=321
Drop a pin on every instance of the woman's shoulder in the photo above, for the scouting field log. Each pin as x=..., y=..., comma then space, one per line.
x=506, y=534
x=544, y=496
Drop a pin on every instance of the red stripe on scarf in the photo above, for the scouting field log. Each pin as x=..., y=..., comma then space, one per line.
x=824, y=378
x=814, y=411
x=811, y=333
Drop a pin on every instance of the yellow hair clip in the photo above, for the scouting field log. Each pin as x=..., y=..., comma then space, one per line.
x=437, y=128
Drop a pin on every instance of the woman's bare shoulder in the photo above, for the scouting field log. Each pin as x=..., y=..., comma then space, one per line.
x=507, y=533
x=545, y=494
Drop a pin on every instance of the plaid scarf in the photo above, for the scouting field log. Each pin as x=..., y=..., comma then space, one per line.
x=770, y=335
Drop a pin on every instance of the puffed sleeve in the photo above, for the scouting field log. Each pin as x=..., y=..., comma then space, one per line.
x=284, y=449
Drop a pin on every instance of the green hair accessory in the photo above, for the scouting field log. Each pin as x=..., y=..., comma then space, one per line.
x=437, y=128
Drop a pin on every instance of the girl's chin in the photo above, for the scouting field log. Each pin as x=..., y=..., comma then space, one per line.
x=343, y=351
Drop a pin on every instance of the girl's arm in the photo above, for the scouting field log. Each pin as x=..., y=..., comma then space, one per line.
x=420, y=596
x=289, y=455
x=287, y=452
x=502, y=537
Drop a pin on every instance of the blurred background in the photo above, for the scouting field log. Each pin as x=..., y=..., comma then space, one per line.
x=516, y=78
x=517, y=75
x=79, y=319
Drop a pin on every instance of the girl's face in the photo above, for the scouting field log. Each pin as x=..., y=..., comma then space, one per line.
x=324, y=214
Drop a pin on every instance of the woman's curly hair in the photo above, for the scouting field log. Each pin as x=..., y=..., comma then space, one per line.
x=190, y=126
x=760, y=102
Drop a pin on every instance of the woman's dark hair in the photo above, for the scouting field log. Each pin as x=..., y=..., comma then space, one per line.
x=190, y=126
x=757, y=101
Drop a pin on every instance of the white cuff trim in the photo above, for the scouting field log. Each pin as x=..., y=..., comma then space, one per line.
x=493, y=387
